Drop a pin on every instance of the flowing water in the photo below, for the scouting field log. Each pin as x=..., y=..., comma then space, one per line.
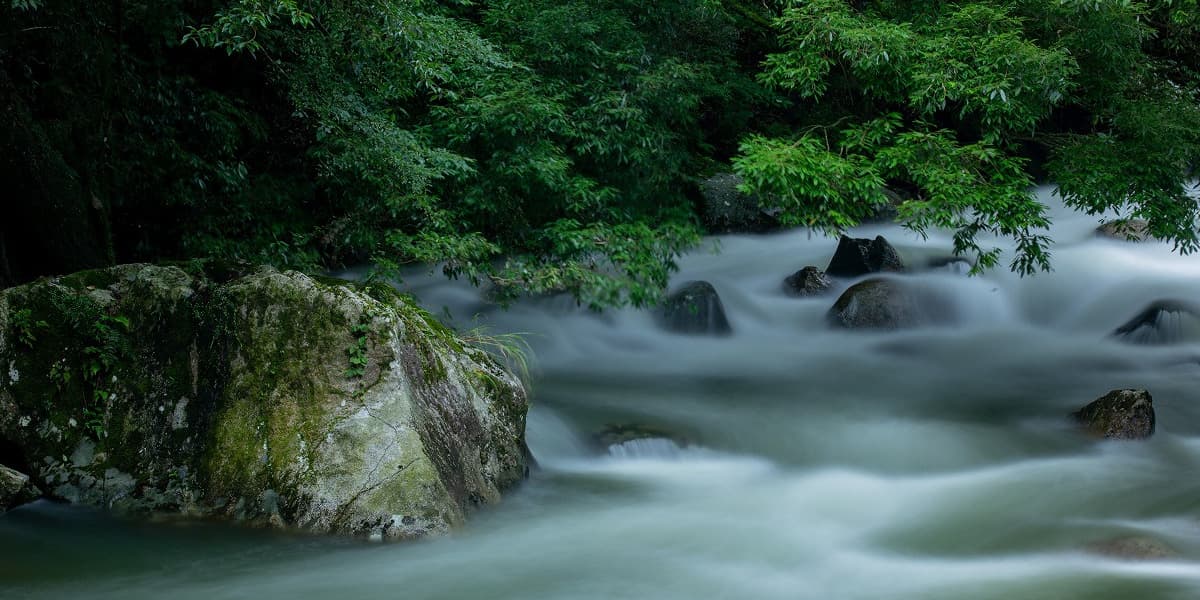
x=933, y=463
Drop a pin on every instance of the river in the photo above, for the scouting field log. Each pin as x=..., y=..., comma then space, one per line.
x=932, y=463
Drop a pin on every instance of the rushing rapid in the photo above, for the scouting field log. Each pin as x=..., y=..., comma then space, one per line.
x=795, y=460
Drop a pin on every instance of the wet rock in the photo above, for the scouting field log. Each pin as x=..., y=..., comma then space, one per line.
x=267, y=397
x=1120, y=415
x=808, y=281
x=860, y=256
x=1133, y=548
x=695, y=309
x=15, y=489
x=1162, y=322
x=876, y=304
x=1128, y=230
x=727, y=210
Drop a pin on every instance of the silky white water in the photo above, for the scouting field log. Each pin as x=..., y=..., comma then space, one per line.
x=933, y=463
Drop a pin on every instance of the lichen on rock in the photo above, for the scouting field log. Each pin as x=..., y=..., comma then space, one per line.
x=227, y=394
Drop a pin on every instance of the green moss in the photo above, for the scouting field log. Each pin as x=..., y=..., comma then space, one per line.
x=281, y=332
x=384, y=294
x=95, y=374
x=96, y=278
x=443, y=333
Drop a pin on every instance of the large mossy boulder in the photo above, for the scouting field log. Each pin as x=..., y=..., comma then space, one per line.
x=1120, y=415
x=1162, y=322
x=859, y=256
x=263, y=396
x=695, y=308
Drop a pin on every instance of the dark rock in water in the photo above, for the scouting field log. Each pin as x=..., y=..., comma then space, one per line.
x=875, y=304
x=1128, y=230
x=860, y=256
x=15, y=489
x=1163, y=322
x=695, y=308
x=1133, y=548
x=1120, y=415
x=727, y=210
x=808, y=281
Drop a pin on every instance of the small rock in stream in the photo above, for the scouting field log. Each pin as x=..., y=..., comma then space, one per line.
x=1162, y=322
x=1119, y=415
x=639, y=441
x=860, y=256
x=1127, y=230
x=886, y=304
x=1133, y=548
x=695, y=308
x=808, y=281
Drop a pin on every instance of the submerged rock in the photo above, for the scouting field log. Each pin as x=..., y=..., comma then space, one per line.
x=639, y=441
x=950, y=264
x=695, y=308
x=876, y=304
x=1162, y=322
x=1119, y=414
x=808, y=281
x=262, y=396
x=860, y=256
x=15, y=489
x=727, y=210
x=654, y=448
x=1128, y=230
x=1133, y=548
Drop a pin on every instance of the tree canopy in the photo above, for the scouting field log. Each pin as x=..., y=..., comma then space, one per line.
x=546, y=146
x=957, y=102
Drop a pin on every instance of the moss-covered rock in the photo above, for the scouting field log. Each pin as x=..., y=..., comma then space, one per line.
x=258, y=395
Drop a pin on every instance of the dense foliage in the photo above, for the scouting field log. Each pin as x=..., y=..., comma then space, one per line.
x=543, y=145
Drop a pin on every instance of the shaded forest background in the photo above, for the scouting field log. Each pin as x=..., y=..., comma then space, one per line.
x=558, y=145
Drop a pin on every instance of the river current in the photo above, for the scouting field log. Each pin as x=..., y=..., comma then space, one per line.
x=930, y=463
